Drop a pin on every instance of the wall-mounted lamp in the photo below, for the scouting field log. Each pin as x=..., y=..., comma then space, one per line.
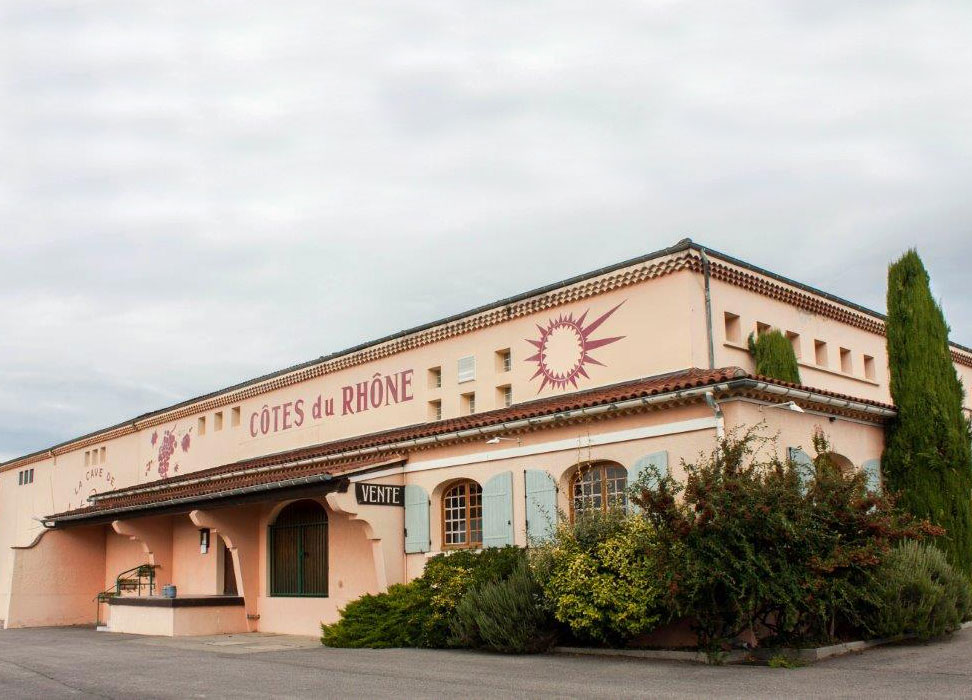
x=789, y=406
x=204, y=540
x=496, y=440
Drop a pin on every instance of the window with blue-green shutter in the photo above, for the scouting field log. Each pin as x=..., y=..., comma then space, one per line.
x=803, y=463
x=416, y=520
x=541, y=504
x=653, y=466
x=872, y=468
x=498, y=510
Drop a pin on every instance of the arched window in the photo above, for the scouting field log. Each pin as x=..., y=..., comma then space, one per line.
x=598, y=487
x=298, y=551
x=462, y=516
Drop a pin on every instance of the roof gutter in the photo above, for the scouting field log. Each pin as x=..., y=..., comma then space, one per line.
x=815, y=397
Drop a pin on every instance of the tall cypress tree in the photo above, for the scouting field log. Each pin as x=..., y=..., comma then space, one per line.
x=774, y=357
x=927, y=457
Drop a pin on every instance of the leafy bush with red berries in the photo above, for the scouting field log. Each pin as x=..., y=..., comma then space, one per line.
x=750, y=547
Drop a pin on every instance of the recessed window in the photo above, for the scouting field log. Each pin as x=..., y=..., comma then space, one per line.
x=733, y=328
x=598, y=487
x=820, y=352
x=468, y=402
x=20, y=478
x=201, y=425
x=235, y=417
x=87, y=458
x=435, y=377
x=762, y=328
x=869, y=367
x=846, y=365
x=794, y=339
x=467, y=369
x=218, y=420
x=25, y=476
x=504, y=360
x=31, y=476
x=462, y=516
x=504, y=396
x=435, y=410
x=103, y=455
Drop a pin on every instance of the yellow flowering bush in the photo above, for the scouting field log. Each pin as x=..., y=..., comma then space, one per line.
x=599, y=578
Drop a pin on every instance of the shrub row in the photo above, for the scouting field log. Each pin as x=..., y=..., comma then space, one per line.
x=746, y=548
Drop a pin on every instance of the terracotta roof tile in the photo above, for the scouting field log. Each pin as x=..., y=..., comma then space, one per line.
x=283, y=467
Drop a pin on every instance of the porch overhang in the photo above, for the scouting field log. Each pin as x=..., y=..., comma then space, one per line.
x=171, y=499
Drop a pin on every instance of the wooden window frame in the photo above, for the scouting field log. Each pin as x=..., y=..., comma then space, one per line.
x=469, y=543
x=586, y=469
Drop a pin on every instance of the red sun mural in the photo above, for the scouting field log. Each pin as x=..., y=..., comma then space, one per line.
x=564, y=349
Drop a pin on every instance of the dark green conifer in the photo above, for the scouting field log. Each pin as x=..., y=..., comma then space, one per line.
x=774, y=356
x=927, y=456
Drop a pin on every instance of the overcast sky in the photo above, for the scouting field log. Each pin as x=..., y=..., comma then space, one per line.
x=196, y=192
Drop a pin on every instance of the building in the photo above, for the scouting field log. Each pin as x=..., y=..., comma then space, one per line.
x=273, y=503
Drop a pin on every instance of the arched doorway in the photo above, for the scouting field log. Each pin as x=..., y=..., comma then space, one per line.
x=297, y=549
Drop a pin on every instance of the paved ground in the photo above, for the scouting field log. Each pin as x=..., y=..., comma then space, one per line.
x=73, y=662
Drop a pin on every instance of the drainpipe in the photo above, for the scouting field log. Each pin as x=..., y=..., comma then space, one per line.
x=717, y=410
x=706, y=274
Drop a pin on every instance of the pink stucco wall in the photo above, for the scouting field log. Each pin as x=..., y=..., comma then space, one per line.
x=177, y=622
x=55, y=581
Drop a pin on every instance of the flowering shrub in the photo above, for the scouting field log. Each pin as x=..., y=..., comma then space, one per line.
x=599, y=577
x=750, y=545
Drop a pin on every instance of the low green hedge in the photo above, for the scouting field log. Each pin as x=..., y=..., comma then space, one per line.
x=916, y=591
x=420, y=613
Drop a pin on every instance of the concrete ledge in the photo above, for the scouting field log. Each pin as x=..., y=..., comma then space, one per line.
x=197, y=601
x=732, y=657
x=740, y=656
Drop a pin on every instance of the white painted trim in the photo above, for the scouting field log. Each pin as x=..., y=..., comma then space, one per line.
x=686, y=426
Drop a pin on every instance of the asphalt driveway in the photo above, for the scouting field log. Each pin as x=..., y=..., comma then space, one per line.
x=77, y=662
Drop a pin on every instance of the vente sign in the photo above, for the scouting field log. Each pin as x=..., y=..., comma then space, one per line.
x=368, y=395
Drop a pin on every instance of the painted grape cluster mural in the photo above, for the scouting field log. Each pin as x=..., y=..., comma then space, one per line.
x=171, y=440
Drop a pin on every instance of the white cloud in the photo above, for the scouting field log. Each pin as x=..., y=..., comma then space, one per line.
x=195, y=193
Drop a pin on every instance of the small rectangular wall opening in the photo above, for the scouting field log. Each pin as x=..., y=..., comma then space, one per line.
x=733, y=328
x=762, y=328
x=435, y=410
x=235, y=417
x=218, y=420
x=846, y=365
x=869, y=372
x=504, y=396
x=504, y=361
x=468, y=403
x=794, y=339
x=201, y=425
x=820, y=352
x=435, y=377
